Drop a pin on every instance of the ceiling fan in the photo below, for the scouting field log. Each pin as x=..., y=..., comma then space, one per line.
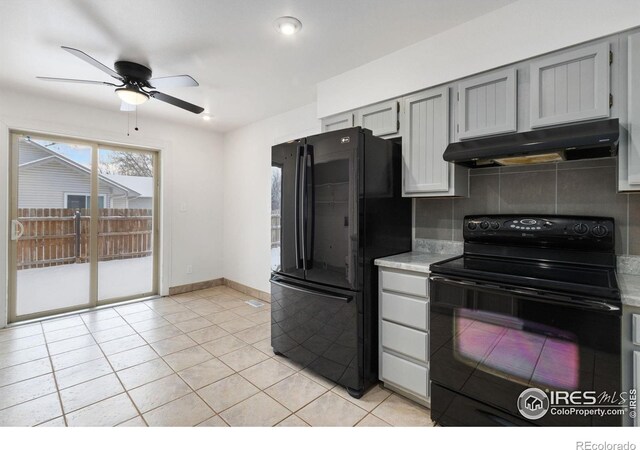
x=136, y=85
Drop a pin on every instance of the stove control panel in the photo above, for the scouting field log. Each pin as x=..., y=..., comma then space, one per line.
x=579, y=230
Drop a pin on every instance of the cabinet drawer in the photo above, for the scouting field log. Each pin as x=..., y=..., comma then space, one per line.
x=408, y=311
x=635, y=329
x=407, y=283
x=405, y=374
x=412, y=343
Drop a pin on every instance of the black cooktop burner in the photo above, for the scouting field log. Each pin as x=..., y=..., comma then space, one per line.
x=574, y=255
x=572, y=279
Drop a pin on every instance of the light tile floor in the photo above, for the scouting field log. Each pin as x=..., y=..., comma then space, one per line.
x=202, y=358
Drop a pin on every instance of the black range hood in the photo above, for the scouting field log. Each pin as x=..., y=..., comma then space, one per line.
x=580, y=141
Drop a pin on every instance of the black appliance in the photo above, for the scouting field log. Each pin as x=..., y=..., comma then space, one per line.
x=338, y=199
x=532, y=303
x=597, y=139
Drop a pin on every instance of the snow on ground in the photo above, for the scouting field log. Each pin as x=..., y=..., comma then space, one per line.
x=64, y=286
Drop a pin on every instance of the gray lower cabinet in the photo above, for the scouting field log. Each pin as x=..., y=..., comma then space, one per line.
x=571, y=86
x=382, y=118
x=487, y=104
x=337, y=122
x=404, y=332
x=631, y=354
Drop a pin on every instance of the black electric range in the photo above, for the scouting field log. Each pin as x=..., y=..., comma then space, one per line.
x=531, y=311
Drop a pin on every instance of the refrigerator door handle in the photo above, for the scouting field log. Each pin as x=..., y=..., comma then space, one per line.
x=299, y=262
x=304, y=208
x=310, y=209
x=308, y=291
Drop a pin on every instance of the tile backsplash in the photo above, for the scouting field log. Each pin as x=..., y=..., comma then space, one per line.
x=585, y=187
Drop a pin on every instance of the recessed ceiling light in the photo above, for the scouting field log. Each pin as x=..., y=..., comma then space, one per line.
x=206, y=117
x=288, y=25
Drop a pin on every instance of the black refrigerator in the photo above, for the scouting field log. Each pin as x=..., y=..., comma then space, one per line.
x=337, y=205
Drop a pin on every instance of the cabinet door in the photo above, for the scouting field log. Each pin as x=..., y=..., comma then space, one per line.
x=381, y=119
x=570, y=87
x=633, y=158
x=337, y=122
x=487, y=104
x=636, y=378
x=426, y=136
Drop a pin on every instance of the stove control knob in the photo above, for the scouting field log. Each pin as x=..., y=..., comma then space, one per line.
x=580, y=228
x=495, y=225
x=484, y=225
x=599, y=231
x=472, y=226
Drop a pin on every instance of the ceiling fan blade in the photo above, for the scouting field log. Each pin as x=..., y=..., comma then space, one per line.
x=124, y=106
x=176, y=102
x=95, y=63
x=73, y=80
x=173, y=81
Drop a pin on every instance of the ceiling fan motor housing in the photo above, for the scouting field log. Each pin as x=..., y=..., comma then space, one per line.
x=131, y=71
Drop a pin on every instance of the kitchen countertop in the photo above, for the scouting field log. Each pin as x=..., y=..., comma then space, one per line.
x=421, y=261
x=629, y=289
x=414, y=261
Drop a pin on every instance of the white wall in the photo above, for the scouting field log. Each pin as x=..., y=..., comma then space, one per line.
x=192, y=177
x=247, y=187
x=515, y=32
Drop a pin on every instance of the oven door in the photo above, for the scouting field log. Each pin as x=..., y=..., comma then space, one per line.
x=490, y=343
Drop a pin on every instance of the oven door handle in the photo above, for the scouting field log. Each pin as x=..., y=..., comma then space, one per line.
x=543, y=297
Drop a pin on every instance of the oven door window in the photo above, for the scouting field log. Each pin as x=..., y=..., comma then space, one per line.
x=489, y=345
x=518, y=350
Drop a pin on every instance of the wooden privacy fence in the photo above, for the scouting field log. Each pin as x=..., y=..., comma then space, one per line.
x=53, y=237
x=275, y=229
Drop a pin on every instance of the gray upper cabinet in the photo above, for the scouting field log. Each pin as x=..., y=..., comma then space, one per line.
x=426, y=135
x=570, y=87
x=633, y=127
x=337, y=122
x=381, y=119
x=487, y=104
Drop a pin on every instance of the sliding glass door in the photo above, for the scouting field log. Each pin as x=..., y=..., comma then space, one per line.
x=83, y=225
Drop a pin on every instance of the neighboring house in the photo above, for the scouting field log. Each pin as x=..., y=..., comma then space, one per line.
x=142, y=185
x=50, y=180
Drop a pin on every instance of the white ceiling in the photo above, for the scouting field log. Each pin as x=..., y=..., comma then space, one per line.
x=246, y=70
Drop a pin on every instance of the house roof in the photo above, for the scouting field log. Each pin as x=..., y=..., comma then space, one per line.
x=142, y=185
x=132, y=193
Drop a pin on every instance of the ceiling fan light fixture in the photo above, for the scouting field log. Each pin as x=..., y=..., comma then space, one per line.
x=132, y=96
x=288, y=25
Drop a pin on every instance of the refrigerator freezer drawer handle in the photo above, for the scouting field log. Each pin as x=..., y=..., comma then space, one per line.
x=321, y=294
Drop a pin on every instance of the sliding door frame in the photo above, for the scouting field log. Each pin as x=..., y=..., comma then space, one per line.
x=93, y=301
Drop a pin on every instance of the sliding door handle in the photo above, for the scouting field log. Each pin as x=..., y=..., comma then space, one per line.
x=17, y=230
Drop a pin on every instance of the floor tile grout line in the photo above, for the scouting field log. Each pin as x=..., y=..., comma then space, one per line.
x=126, y=391
x=55, y=382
